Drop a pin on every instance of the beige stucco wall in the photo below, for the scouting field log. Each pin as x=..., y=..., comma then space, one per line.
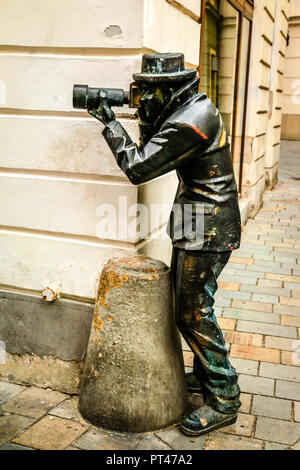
x=56, y=169
x=291, y=83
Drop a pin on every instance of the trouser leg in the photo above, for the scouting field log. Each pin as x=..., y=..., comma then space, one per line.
x=195, y=282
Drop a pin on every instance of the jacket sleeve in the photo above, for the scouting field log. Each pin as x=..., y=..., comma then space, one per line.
x=170, y=148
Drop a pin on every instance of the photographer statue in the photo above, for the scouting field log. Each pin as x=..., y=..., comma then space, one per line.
x=181, y=129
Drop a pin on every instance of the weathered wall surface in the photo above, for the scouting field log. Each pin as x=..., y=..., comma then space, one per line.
x=55, y=168
x=291, y=82
x=55, y=172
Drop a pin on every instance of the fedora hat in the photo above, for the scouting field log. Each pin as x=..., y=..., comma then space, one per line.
x=163, y=67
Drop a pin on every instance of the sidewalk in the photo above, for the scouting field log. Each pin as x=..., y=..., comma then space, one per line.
x=258, y=308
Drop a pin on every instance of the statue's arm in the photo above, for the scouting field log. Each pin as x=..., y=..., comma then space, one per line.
x=166, y=150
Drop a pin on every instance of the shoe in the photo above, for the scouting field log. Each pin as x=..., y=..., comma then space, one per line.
x=193, y=383
x=205, y=419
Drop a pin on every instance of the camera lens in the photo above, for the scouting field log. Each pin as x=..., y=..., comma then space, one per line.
x=80, y=96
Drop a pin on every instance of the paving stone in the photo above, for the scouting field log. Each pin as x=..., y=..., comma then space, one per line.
x=51, y=433
x=255, y=353
x=12, y=446
x=188, y=358
x=296, y=293
x=286, y=310
x=243, y=426
x=221, y=441
x=289, y=301
x=297, y=411
x=239, y=253
x=275, y=342
x=251, y=315
x=265, y=298
x=266, y=263
x=254, y=306
x=224, y=277
x=152, y=443
x=271, y=407
x=266, y=329
x=274, y=446
x=263, y=257
x=229, y=294
x=228, y=285
x=232, y=270
x=100, y=439
x=8, y=390
x=254, y=248
x=272, y=238
x=270, y=269
x=34, y=402
x=220, y=302
x=243, y=338
x=289, y=390
x=11, y=425
x=233, y=265
x=245, y=399
x=276, y=430
x=282, y=277
x=266, y=290
x=240, y=260
x=295, y=446
x=244, y=366
x=68, y=409
x=251, y=236
x=288, y=358
x=289, y=260
x=178, y=441
x=248, y=274
x=226, y=323
x=218, y=311
x=269, y=283
x=291, y=285
x=278, y=244
x=184, y=344
x=256, y=385
x=290, y=321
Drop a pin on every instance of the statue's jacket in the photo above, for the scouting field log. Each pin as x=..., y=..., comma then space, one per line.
x=189, y=136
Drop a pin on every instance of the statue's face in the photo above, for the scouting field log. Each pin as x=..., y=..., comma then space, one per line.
x=152, y=100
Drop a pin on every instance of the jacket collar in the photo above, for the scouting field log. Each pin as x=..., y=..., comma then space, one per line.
x=184, y=94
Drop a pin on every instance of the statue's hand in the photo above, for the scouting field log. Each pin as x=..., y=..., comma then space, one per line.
x=103, y=113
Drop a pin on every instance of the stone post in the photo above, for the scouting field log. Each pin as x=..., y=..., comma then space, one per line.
x=133, y=378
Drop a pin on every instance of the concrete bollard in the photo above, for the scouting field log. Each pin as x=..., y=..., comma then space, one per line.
x=133, y=377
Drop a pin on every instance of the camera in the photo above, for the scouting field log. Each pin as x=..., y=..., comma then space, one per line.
x=85, y=97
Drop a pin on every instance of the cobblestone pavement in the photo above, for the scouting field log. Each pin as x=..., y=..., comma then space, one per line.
x=258, y=308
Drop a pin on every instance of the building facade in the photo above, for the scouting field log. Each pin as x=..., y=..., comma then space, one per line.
x=57, y=172
x=291, y=84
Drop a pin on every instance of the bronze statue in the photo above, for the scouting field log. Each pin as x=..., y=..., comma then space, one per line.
x=181, y=129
